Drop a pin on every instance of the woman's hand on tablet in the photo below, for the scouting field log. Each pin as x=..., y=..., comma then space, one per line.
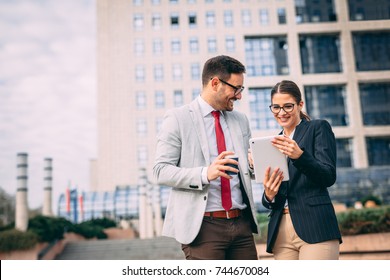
x=272, y=183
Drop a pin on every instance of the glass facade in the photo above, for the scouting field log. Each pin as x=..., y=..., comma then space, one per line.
x=375, y=103
x=320, y=53
x=266, y=56
x=368, y=9
x=327, y=102
x=123, y=203
x=344, y=152
x=372, y=50
x=378, y=150
x=260, y=115
x=314, y=11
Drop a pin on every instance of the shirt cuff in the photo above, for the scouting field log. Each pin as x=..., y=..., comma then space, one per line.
x=205, y=181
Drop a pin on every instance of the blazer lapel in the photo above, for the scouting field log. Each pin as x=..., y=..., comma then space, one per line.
x=300, y=130
x=200, y=130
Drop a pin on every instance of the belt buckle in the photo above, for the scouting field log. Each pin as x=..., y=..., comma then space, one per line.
x=227, y=215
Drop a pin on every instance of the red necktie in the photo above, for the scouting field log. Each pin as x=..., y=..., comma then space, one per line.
x=225, y=183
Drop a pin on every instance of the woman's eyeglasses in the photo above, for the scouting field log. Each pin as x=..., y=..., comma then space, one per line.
x=288, y=108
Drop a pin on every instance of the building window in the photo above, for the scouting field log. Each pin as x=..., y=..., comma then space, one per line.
x=157, y=46
x=266, y=56
x=138, y=22
x=175, y=46
x=156, y=21
x=140, y=73
x=210, y=19
x=327, y=102
x=142, y=127
x=156, y=2
x=320, y=53
x=192, y=20
x=177, y=73
x=139, y=47
x=195, y=93
x=140, y=100
x=344, y=152
x=194, y=45
x=282, y=16
x=230, y=44
x=142, y=155
x=260, y=115
x=246, y=18
x=212, y=44
x=174, y=20
x=138, y=2
x=372, y=50
x=228, y=18
x=378, y=150
x=315, y=11
x=195, y=71
x=158, y=72
x=368, y=9
x=159, y=99
x=375, y=103
x=264, y=17
x=178, y=98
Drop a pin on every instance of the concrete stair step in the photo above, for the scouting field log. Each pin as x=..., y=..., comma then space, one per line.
x=160, y=248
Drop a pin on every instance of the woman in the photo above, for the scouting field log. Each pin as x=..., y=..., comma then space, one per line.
x=303, y=223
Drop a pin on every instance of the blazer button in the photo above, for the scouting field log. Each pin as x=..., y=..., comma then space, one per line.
x=205, y=197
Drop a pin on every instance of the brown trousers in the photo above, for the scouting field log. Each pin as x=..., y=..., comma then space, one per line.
x=222, y=239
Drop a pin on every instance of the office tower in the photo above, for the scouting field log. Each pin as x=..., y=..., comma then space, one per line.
x=151, y=53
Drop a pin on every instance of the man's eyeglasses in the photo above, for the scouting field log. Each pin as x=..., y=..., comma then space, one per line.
x=237, y=90
x=288, y=108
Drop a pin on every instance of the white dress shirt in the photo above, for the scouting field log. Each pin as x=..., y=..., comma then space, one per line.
x=214, y=202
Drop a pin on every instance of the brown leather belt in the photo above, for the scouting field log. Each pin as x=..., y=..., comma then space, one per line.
x=286, y=211
x=231, y=214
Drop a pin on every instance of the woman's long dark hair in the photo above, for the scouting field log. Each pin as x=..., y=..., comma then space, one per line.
x=291, y=88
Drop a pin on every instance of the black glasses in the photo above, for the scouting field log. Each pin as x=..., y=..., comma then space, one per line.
x=237, y=90
x=288, y=108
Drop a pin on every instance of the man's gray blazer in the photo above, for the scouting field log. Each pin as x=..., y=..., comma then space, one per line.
x=181, y=153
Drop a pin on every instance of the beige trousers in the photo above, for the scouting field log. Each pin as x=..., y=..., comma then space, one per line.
x=288, y=245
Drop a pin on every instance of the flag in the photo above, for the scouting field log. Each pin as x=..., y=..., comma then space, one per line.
x=67, y=199
x=81, y=206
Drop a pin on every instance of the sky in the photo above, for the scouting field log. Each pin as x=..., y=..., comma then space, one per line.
x=47, y=93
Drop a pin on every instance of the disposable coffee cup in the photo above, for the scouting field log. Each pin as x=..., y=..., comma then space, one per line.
x=232, y=165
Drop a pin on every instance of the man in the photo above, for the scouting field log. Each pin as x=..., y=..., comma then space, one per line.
x=211, y=213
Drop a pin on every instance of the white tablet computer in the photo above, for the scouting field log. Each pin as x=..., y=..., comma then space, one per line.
x=265, y=155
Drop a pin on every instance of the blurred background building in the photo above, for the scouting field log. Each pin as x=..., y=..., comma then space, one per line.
x=150, y=58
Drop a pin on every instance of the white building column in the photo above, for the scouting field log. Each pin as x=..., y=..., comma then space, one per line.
x=149, y=211
x=158, y=221
x=47, y=190
x=142, y=183
x=21, y=211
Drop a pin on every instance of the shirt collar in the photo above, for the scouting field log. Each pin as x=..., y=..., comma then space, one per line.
x=292, y=133
x=205, y=107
